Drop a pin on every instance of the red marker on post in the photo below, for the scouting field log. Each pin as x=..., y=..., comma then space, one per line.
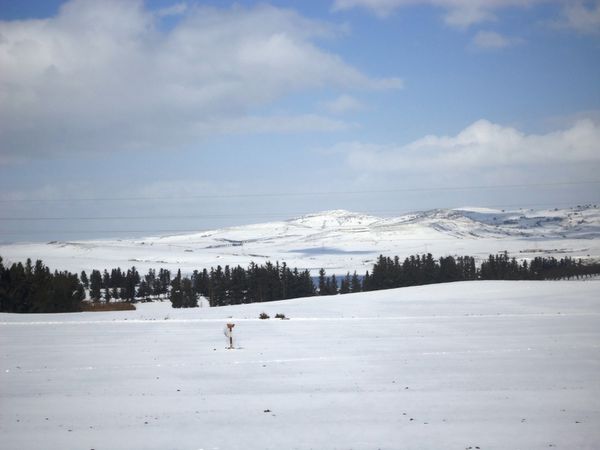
x=229, y=334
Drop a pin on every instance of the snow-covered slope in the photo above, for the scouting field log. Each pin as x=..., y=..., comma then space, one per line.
x=339, y=240
x=489, y=365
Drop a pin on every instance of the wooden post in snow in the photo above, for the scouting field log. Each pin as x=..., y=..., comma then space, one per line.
x=229, y=334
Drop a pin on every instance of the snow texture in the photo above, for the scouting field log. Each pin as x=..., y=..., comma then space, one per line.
x=489, y=365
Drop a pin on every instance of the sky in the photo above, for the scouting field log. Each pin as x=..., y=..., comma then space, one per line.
x=130, y=118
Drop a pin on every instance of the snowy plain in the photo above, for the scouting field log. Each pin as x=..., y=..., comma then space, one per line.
x=488, y=365
x=339, y=241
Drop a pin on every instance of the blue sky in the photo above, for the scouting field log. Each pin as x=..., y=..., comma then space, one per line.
x=167, y=116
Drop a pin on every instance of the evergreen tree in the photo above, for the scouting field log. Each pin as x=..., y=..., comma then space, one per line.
x=143, y=290
x=176, y=294
x=84, y=279
x=355, y=283
x=333, y=288
x=131, y=280
x=345, y=284
x=105, y=279
x=95, y=285
x=150, y=279
x=323, y=290
x=366, y=284
x=188, y=297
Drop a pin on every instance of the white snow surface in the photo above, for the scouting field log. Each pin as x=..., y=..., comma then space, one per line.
x=338, y=241
x=487, y=364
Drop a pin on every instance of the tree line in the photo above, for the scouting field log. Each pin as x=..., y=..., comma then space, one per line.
x=416, y=270
x=27, y=288
x=31, y=288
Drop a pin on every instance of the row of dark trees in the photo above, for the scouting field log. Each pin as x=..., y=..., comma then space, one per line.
x=418, y=270
x=234, y=286
x=274, y=282
x=34, y=288
x=501, y=267
x=126, y=285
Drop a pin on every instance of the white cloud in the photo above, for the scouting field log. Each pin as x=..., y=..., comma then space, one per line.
x=343, y=104
x=582, y=18
x=103, y=76
x=482, y=145
x=459, y=13
x=490, y=40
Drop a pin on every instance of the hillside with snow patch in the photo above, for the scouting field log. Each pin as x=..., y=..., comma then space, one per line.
x=339, y=241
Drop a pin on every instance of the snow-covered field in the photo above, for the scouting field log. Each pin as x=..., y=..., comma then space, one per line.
x=339, y=241
x=489, y=365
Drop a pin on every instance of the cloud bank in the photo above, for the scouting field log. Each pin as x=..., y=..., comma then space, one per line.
x=480, y=146
x=459, y=13
x=108, y=77
x=578, y=15
x=582, y=17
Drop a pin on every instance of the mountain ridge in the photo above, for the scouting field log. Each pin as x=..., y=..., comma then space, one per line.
x=339, y=240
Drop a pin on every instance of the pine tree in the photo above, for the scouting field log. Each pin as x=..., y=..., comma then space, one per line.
x=333, y=288
x=322, y=283
x=176, y=294
x=366, y=284
x=355, y=283
x=143, y=290
x=95, y=285
x=84, y=279
x=345, y=285
x=105, y=279
x=189, y=299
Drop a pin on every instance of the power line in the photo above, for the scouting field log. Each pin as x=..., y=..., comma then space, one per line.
x=203, y=228
x=254, y=215
x=426, y=239
x=307, y=193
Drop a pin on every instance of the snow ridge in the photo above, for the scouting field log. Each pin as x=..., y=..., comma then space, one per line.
x=339, y=240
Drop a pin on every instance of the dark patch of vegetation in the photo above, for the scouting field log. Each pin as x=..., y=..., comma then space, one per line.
x=34, y=289
x=113, y=306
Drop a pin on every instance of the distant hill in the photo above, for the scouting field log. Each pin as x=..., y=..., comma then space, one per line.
x=339, y=240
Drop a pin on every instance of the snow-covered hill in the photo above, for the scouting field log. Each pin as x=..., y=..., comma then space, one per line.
x=339, y=240
x=492, y=365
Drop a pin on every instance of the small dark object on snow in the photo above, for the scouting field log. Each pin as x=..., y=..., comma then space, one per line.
x=280, y=316
x=263, y=316
x=267, y=410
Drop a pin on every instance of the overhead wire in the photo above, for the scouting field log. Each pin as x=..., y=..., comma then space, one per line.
x=259, y=215
x=304, y=193
x=252, y=215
